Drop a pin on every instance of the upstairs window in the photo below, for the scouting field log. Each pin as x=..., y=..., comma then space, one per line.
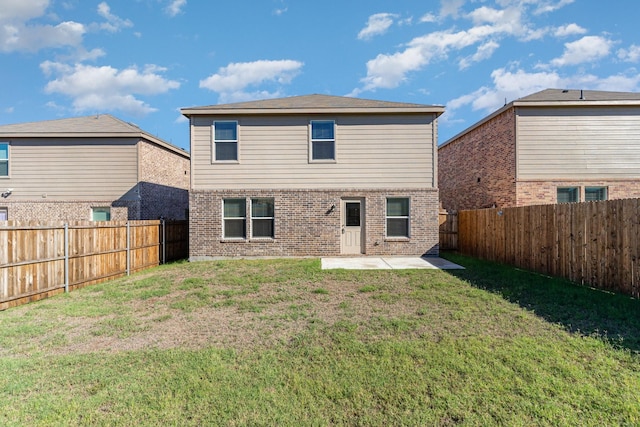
x=4, y=159
x=568, y=194
x=398, y=217
x=225, y=141
x=234, y=218
x=323, y=140
x=592, y=194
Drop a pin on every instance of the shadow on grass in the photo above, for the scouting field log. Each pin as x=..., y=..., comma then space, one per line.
x=612, y=317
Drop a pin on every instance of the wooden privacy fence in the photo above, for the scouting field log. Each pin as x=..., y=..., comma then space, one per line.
x=448, y=230
x=594, y=243
x=41, y=259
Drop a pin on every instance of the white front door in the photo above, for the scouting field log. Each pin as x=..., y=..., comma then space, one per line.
x=352, y=226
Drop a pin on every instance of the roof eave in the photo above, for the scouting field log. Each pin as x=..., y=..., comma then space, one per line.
x=212, y=111
x=577, y=103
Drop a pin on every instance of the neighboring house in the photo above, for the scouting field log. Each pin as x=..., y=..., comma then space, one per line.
x=553, y=146
x=90, y=168
x=313, y=175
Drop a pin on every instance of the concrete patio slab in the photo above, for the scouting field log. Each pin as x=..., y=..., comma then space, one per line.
x=388, y=263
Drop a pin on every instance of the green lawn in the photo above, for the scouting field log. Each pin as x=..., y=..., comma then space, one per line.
x=281, y=342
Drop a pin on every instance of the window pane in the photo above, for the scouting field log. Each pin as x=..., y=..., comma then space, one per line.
x=3, y=214
x=323, y=151
x=226, y=151
x=4, y=168
x=226, y=131
x=262, y=228
x=234, y=208
x=262, y=207
x=234, y=228
x=398, y=206
x=398, y=227
x=568, y=195
x=592, y=194
x=101, y=214
x=322, y=130
x=4, y=151
x=352, y=214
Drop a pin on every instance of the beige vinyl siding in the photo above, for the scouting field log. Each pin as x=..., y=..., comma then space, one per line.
x=81, y=169
x=578, y=143
x=371, y=152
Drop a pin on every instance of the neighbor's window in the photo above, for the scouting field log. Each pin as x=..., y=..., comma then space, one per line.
x=225, y=141
x=568, y=194
x=323, y=140
x=592, y=194
x=4, y=214
x=262, y=218
x=4, y=159
x=398, y=217
x=234, y=218
x=101, y=214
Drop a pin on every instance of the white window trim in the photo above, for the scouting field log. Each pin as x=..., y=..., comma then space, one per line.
x=311, y=141
x=225, y=218
x=213, y=142
x=386, y=219
x=272, y=218
x=8, y=160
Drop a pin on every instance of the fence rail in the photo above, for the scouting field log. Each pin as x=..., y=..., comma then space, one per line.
x=38, y=259
x=595, y=243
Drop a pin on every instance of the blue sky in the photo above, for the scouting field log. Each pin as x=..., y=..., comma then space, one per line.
x=142, y=60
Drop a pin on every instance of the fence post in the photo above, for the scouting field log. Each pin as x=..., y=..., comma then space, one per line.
x=66, y=257
x=164, y=242
x=128, y=249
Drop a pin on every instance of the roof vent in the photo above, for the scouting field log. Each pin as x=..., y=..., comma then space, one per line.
x=582, y=95
x=565, y=90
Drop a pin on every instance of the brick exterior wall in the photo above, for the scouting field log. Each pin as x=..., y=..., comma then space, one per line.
x=478, y=169
x=545, y=192
x=66, y=210
x=305, y=226
x=164, y=183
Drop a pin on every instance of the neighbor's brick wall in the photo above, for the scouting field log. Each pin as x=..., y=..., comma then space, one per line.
x=163, y=183
x=486, y=153
x=305, y=227
x=67, y=211
x=545, y=192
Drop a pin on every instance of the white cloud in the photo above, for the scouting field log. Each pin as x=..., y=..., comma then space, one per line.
x=546, y=6
x=114, y=23
x=106, y=88
x=485, y=51
x=376, y=25
x=630, y=55
x=450, y=7
x=569, y=30
x=232, y=81
x=175, y=7
x=587, y=49
x=429, y=17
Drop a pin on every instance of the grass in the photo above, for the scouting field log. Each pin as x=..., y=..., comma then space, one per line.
x=281, y=342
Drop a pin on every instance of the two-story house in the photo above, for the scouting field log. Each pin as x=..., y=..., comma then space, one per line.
x=553, y=146
x=313, y=175
x=90, y=168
